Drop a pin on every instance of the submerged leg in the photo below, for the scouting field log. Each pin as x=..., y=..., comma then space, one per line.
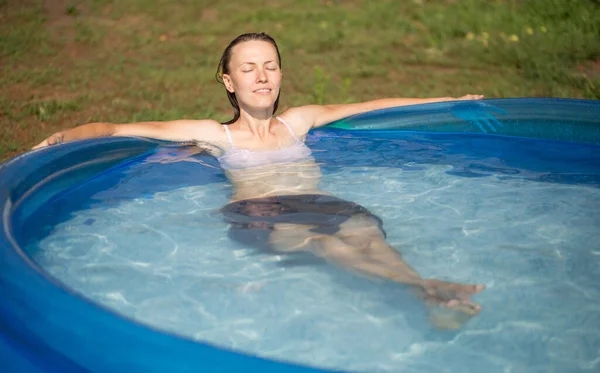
x=360, y=246
x=375, y=249
x=377, y=258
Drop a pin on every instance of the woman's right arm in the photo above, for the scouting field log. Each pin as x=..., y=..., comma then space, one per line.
x=177, y=130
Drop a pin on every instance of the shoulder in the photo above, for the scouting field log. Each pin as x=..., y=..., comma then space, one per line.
x=301, y=118
x=313, y=116
x=204, y=131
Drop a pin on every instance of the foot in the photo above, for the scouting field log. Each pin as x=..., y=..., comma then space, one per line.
x=451, y=295
x=447, y=318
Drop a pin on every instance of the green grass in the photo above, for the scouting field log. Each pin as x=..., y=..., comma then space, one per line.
x=132, y=60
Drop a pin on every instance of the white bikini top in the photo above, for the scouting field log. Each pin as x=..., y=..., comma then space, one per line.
x=238, y=158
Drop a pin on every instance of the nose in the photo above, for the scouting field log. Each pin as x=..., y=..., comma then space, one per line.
x=262, y=76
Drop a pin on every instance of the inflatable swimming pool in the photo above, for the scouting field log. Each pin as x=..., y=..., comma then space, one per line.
x=45, y=326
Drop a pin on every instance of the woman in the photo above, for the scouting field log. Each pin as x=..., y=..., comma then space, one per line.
x=276, y=202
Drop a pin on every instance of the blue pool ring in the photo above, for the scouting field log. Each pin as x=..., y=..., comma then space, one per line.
x=46, y=327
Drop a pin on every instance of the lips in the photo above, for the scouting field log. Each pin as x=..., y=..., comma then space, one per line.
x=262, y=90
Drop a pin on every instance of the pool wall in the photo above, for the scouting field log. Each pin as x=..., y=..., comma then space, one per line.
x=562, y=119
x=45, y=327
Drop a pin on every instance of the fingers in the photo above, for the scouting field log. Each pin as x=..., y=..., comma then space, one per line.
x=472, y=97
x=57, y=138
x=41, y=145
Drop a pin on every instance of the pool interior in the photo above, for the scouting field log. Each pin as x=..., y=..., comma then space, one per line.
x=524, y=168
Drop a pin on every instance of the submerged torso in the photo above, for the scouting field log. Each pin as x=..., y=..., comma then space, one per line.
x=290, y=170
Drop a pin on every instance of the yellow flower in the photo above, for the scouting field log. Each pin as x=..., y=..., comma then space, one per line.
x=529, y=30
x=543, y=29
x=514, y=38
x=470, y=36
x=485, y=35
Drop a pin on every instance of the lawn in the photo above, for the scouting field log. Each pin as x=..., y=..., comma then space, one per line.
x=68, y=62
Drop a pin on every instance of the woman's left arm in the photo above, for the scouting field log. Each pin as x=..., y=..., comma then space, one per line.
x=321, y=115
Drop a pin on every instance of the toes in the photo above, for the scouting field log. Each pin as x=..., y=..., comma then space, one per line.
x=453, y=303
x=470, y=290
x=468, y=307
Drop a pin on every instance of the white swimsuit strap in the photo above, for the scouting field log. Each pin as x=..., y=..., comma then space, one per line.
x=225, y=127
x=288, y=127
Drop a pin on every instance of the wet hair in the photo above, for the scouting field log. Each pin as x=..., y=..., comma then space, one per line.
x=223, y=68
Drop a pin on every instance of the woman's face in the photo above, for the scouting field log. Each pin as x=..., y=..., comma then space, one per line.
x=255, y=75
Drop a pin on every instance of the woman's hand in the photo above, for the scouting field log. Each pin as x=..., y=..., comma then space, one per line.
x=55, y=139
x=470, y=97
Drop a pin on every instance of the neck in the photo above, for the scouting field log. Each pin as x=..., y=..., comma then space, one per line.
x=258, y=122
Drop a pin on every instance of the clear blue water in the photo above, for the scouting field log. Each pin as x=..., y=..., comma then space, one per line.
x=520, y=216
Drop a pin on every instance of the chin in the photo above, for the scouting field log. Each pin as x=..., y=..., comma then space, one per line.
x=265, y=102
